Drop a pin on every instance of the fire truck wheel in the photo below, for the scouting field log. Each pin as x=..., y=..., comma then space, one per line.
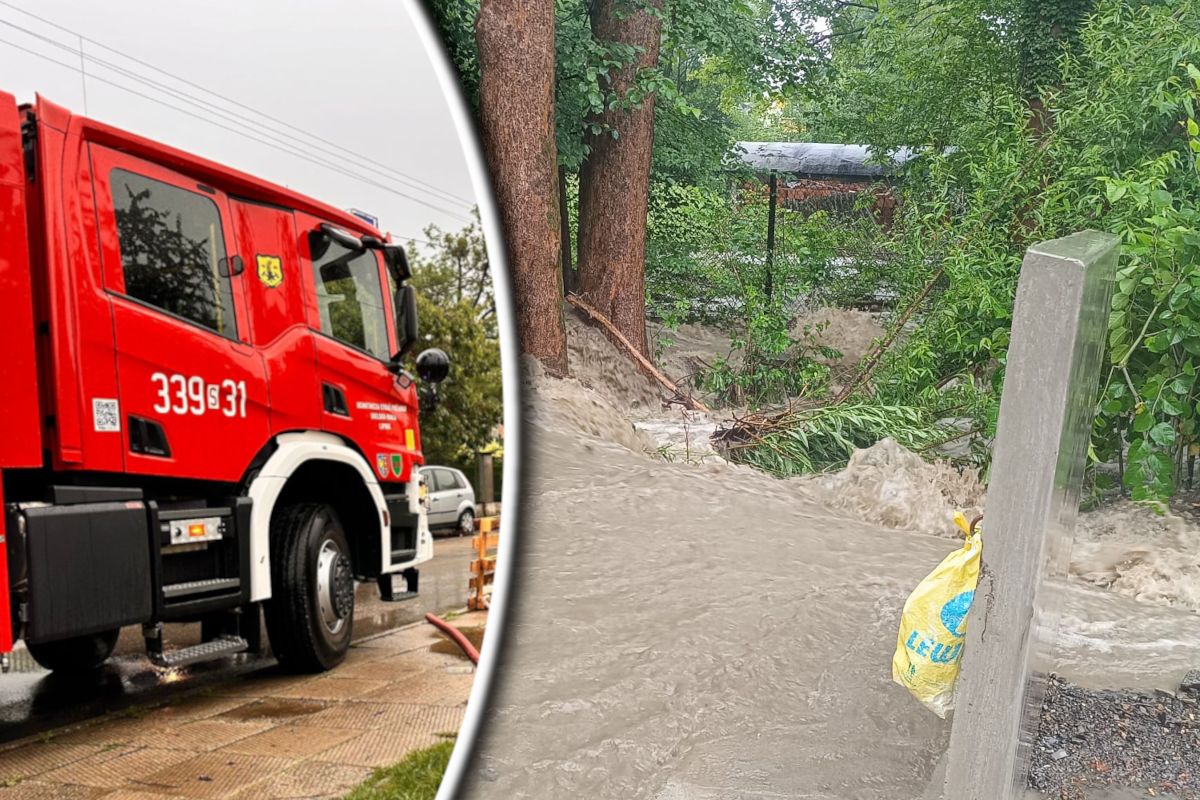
x=78, y=654
x=311, y=611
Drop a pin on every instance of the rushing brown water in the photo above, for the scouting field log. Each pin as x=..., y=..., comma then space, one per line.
x=685, y=631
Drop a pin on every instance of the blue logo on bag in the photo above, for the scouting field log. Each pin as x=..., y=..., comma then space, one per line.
x=954, y=613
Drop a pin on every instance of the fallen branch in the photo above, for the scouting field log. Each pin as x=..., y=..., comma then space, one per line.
x=643, y=362
x=875, y=358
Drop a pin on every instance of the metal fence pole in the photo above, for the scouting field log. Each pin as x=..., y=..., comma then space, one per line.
x=1060, y=321
x=774, y=201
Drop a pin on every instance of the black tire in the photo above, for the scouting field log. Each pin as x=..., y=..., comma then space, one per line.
x=466, y=523
x=75, y=655
x=297, y=618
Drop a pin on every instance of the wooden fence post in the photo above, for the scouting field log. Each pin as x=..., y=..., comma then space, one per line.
x=1059, y=329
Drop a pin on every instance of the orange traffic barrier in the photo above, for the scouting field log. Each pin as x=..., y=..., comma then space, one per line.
x=483, y=565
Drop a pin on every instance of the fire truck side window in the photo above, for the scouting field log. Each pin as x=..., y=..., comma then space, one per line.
x=350, y=296
x=171, y=245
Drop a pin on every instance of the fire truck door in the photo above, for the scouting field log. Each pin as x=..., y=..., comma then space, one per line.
x=354, y=343
x=275, y=299
x=192, y=400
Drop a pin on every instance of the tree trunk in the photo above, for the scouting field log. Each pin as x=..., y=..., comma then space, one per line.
x=515, y=39
x=614, y=183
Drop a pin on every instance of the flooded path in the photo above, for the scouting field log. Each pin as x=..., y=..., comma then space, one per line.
x=698, y=632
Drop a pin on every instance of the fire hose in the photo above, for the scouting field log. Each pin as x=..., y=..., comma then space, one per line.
x=456, y=635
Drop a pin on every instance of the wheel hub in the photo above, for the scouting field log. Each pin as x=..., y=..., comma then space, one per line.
x=335, y=586
x=343, y=588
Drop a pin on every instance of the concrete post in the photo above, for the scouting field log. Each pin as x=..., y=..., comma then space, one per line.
x=1059, y=329
x=485, y=491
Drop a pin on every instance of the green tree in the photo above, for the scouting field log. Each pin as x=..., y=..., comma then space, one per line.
x=1118, y=153
x=452, y=266
x=456, y=311
x=472, y=396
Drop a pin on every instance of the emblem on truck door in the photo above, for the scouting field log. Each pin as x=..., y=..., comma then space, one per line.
x=270, y=271
x=381, y=464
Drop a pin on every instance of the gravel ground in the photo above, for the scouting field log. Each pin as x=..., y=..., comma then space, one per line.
x=1148, y=741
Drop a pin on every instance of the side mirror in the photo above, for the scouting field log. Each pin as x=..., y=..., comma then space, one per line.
x=433, y=365
x=394, y=257
x=406, y=323
x=397, y=261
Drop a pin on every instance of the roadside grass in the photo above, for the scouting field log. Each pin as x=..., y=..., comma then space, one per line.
x=417, y=777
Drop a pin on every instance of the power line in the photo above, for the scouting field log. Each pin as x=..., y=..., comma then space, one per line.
x=237, y=103
x=223, y=127
x=282, y=148
x=289, y=141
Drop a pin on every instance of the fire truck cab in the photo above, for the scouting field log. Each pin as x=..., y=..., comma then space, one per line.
x=204, y=411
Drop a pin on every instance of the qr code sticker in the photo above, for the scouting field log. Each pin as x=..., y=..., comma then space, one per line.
x=106, y=415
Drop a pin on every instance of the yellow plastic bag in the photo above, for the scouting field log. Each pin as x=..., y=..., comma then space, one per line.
x=933, y=626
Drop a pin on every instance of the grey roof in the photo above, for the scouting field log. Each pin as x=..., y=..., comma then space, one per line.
x=816, y=158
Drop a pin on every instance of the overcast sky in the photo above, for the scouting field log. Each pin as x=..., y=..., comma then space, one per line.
x=353, y=73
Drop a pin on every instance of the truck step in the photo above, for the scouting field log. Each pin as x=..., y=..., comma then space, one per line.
x=217, y=648
x=387, y=590
x=176, y=590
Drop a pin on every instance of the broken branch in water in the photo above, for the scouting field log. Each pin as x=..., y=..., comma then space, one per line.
x=619, y=338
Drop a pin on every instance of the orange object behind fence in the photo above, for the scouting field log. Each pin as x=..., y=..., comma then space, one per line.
x=483, y=566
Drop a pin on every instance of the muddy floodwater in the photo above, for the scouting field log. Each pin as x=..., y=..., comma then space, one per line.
x=686, y=631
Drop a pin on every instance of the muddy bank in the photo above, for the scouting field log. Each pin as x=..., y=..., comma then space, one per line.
x=573, y=403
x=683, y=353
x=852, y=333
x=689, y=349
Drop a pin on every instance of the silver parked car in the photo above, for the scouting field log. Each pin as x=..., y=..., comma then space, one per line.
x=451, y=499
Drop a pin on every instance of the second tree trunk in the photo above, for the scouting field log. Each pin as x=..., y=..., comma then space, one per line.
x=614, y=183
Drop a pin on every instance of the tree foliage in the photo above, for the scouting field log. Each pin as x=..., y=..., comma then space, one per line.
x=452, y=267
x=456, y=313
x=1117, y=155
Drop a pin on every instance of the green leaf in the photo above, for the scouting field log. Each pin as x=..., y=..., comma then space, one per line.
x=1162, y=434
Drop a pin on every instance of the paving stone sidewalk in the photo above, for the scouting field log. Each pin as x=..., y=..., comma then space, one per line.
x=265, y=737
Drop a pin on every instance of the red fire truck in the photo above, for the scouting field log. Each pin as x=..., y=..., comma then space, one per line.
x=204, y=410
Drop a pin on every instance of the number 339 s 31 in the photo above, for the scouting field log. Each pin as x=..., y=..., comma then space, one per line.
x=179, y=394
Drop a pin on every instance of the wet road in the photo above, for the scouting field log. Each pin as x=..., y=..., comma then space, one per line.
x=33, y=700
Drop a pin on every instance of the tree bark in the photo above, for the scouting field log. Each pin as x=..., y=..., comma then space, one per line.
x=515, y=39
x=614, y=184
